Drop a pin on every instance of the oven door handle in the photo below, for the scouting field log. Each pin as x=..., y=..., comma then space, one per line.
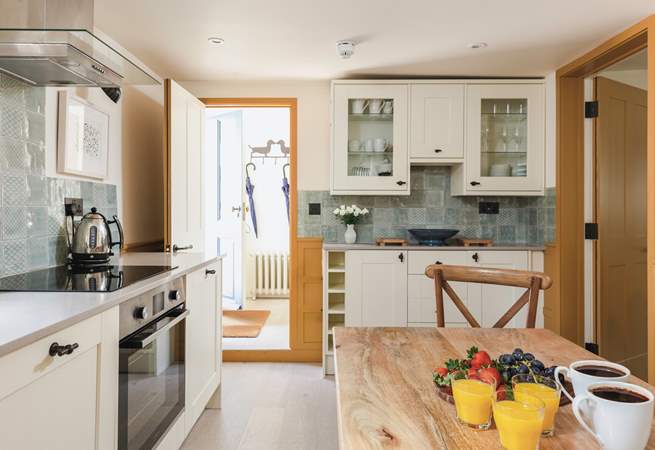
x=152, y=337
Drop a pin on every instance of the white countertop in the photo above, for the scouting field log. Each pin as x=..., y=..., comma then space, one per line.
x=26, y=317
x=503, y=247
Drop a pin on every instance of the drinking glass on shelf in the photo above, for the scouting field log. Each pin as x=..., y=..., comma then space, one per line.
x=519, y=421
x=473, y=402
x=546, y=390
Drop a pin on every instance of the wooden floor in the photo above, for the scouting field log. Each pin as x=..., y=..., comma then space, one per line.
x=269, y=406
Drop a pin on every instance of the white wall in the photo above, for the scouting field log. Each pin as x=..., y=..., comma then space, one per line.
x=551, y=136
x=313, y=119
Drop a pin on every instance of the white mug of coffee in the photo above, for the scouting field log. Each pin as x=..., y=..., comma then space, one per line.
x=358, y=105
x=585, y=372
x=375, y=106
x=619, y=415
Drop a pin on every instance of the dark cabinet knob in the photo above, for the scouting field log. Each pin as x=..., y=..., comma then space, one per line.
x=438, y=150
x=401, y=183
x=61, y=350
x=401, y=257
x=438, y=262
x=210, y=272
x=476, y=257
x=475, y=183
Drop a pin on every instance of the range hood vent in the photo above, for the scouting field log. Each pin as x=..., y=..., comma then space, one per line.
x=52, y=46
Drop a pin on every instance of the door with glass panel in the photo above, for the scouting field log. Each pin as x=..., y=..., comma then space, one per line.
x=505, y=137
x=370, y=139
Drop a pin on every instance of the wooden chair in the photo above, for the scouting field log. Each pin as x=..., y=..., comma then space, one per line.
x=533, y=281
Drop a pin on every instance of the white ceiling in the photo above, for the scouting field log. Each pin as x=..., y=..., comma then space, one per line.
x=295, y=39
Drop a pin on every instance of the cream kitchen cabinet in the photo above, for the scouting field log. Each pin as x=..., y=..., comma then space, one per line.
x=376, y=288
x=203, y=342
x=369, y=139
x=436, y=123
x=505, y=141
x=63, y=402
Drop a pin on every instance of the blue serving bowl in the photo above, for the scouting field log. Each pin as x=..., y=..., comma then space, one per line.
x=432, y=236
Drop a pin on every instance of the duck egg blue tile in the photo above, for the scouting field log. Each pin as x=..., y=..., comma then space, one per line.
x=14, y=256
x=14, y=222
x=37, y=253
x=14, y=190
x=37, y=221
x=37, y=190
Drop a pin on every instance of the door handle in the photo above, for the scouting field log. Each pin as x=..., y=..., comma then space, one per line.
x=401, y=257
x=475, y=183
x=210, y=272
x=177, y=248
x=476, y=257
x=438, y=150
x=401, y=183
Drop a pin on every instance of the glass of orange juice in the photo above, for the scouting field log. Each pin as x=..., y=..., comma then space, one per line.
x=473, y=402
x=519, y=422
x=545, y=389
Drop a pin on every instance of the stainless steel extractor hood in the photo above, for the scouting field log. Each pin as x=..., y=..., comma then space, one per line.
x=50, y=43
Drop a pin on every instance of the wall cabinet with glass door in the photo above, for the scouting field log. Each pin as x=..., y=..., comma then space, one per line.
x=505, y=141
x=369, y=139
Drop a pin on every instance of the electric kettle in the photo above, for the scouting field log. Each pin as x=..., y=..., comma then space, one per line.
x=90, y=239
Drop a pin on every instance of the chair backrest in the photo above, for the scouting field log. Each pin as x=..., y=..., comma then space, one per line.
x=532, y=281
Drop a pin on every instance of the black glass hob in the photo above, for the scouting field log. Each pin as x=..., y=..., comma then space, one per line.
x=103, y=278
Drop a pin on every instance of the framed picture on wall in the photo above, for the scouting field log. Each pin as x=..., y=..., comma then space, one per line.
x=82, y=138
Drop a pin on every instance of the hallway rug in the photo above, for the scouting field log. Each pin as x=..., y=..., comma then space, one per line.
x=244, y=324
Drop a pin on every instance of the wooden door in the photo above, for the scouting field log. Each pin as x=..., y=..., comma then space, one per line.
x=203, y=340
x=184, y=170
x=376, y=288
x=621, y=211
x=436, y=122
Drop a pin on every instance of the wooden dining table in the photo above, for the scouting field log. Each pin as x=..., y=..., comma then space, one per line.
x=386, y=398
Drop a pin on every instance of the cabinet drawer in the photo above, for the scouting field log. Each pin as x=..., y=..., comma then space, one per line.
x=27, y=364
x=418, y=260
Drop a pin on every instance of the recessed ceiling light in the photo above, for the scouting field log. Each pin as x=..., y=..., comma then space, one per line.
x=216, y=40
x=477, y=45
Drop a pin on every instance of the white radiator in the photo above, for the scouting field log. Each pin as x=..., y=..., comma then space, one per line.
x=272, y=275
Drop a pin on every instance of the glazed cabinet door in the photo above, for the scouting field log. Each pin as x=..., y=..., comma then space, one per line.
x=436, y=130
x=203, y=340
x=376, y=288
x=505, y=138
x=369, y=141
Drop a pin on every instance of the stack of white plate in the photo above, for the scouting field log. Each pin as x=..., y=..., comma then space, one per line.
x=521, y=170
x=500, y=170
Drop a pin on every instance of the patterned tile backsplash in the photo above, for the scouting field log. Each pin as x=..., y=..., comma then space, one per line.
x=32, y=233
x=521, y=220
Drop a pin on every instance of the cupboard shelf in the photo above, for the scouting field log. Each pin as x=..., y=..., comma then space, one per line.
x=337, y=308
x=370, y=117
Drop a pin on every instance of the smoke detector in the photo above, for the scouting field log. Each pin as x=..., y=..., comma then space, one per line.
x=345, y=49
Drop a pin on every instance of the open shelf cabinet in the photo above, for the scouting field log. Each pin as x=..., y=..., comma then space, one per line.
x=334, y=303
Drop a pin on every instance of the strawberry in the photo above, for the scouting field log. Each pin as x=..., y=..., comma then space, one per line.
x=472, y=373
x=489, y=375
x=441, y=371
x=501, y=393
x=480, y=359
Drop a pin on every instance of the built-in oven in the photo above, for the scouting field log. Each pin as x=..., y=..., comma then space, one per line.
x=151, y=365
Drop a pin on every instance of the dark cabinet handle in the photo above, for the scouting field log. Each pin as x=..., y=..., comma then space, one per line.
x=210, y=272
x=438, y=262
x=475, y=183
x=476, y=257
x=401, y=257
x=401, y=183
x=438, y=150
x=61, y=350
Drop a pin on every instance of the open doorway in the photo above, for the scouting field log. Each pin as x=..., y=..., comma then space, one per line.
x=616, y=298
x=252, y=147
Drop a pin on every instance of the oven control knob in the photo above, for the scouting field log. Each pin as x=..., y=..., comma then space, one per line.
x=141, y=312
x=175, y=295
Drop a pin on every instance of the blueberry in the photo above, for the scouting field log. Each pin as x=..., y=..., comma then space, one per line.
x=512, y=371
x=536, y=364
x=549, y=372
x=506, y=359
x=523, y=369
x=518, y=354
x=528, y=357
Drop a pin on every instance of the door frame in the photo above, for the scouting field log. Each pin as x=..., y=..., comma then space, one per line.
x=295, y=352
x=566, y=299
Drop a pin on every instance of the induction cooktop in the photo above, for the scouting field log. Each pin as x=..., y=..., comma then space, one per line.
x=104, y=278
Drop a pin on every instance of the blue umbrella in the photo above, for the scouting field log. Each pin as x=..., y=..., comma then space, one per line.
x=285, y=187
x=250, y=188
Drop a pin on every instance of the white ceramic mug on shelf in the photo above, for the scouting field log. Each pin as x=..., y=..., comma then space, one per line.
x=369, y=145
x=375, y=106
x=358, y=105
x=354, y=145
x=580, y=374
x=388, y=107
x=379, y=145
x=616, y=424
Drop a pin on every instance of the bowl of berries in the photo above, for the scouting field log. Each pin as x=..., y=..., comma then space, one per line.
x=478, y=365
